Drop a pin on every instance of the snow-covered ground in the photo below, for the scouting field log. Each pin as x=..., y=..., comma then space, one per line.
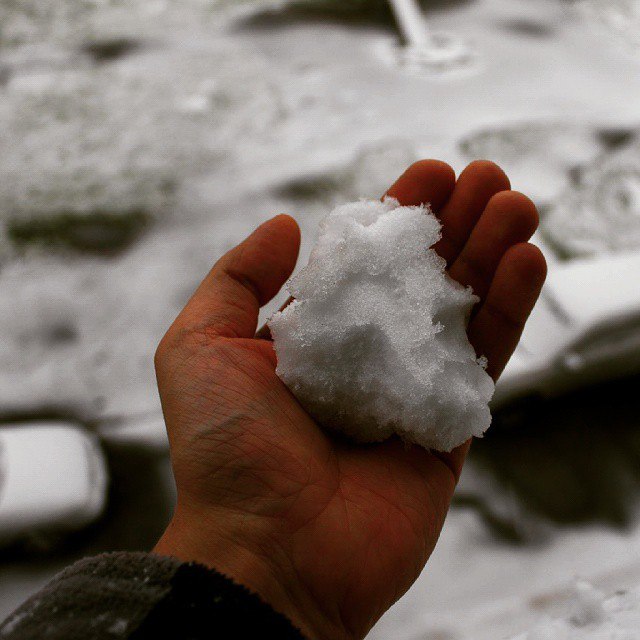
x=142, y=138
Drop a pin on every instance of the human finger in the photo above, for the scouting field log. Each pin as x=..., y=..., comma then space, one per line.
x=477, y=184
x=509, y=218
x=496, y=329
x=229, y=299
x=426, y=181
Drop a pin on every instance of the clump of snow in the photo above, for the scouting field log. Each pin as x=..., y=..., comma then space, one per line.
x=81, y=142
x=592, y=616
x=375, y=342
x=538, y=156
x=601, y=213
x=620, y=17
x=586, y=606
x=71, y=22
x=587, y=180
x=143, y=134
x=31, y=20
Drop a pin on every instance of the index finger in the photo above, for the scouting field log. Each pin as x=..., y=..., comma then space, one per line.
x=426, y=181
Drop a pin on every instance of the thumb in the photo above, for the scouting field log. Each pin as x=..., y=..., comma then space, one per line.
x=228, y=300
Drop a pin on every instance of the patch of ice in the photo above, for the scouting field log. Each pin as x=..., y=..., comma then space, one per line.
x=375, y=342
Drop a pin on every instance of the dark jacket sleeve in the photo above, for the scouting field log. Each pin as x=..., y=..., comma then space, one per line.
x=139, y=596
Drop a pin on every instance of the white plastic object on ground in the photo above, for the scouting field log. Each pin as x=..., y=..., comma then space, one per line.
x=53, y=478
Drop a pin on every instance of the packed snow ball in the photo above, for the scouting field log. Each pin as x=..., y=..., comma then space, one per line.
x=375, y=340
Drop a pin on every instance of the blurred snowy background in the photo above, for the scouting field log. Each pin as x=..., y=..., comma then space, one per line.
x=140, y=139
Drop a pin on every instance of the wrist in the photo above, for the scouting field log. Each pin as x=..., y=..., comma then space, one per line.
x=249, y=555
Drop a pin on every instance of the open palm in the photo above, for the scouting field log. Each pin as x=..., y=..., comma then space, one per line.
x=329, y=533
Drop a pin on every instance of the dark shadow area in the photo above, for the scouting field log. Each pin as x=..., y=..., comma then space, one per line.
x=140, y=504
x=61, y=333
x=45, y=413
x=570, y=460
x=5, y=76
x=352, y=12
x=528, y=28
x=103, y=51
x=99, y=232
x=365, y=174
x=53, y=336
x=320, y=187
x=141, y=500
x=576, y=175
x=613, y=139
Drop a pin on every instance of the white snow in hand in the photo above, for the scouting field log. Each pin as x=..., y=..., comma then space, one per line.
x=375, y=342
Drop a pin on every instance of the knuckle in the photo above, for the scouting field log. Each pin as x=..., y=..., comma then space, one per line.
x=173, y=340
x=183, y=344
x=195, y=336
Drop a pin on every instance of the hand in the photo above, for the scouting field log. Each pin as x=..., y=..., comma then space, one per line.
x=330, y=534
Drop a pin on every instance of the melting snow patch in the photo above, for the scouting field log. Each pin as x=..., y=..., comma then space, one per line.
x=592, y=616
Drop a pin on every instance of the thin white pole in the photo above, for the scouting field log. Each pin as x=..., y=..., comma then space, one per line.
x=412, y=23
